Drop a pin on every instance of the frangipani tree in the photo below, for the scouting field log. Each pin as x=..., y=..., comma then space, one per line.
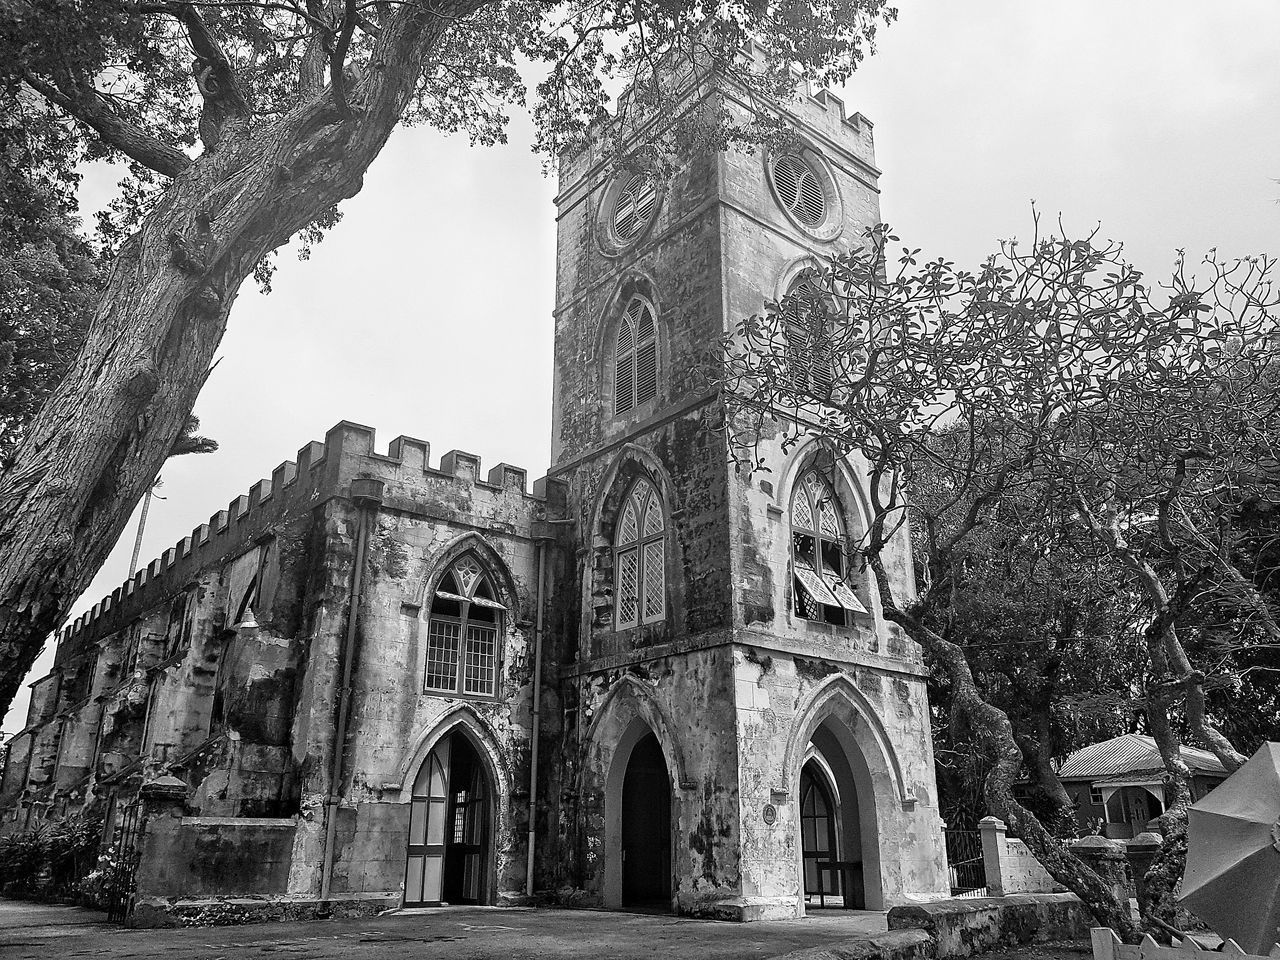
x=1057, y=385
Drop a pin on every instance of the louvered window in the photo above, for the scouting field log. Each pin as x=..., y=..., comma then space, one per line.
x=633, y=207
x=810, y=363
x=799, y=189
x=640, y=575
x=820, y=575
x=462, y=639
x=635, y=378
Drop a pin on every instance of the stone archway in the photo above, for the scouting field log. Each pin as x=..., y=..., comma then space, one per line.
x=630, y=719
x=837, y=729
x=644, y=824
x=456, y=787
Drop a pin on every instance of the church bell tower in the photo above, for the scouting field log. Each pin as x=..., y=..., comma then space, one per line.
x=743, y=733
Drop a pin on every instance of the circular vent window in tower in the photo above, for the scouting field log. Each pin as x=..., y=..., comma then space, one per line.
x=634, y=207
x=799, y=189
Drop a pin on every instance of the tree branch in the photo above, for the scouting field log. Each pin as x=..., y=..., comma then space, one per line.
x=136, y=144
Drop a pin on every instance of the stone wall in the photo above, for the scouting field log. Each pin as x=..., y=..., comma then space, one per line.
x=963, y=928
x=1009, y=864
x=228, y=856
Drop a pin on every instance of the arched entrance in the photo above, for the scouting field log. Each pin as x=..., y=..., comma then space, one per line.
x=646, y=827
x=450, y=816
x=839, y=842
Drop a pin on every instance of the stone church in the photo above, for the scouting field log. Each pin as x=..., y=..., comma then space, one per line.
x=651, y=680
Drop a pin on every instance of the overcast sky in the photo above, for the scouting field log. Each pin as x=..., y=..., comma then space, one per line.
x=428, y=310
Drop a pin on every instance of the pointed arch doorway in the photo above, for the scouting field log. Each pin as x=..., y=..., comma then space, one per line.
x=839, y=846
x=450, y=827
x=646, y=828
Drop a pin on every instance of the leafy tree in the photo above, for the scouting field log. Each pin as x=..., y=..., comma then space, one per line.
x=245, y=122
x=1050, y=632
x=49, y=275
x=1053, y=380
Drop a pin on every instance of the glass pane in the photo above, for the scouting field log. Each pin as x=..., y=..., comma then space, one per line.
x=655, y=600
x=413, y=881
x=442, y=655
x=432, y=876
x=439, y=777
x=653, y=514
x=481, y=664
x=801, y=513
x=628, y=587
x=437, y=818
x=418, y=821
x=628, y=526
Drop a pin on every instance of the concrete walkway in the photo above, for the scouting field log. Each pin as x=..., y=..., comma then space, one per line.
x=449, y=933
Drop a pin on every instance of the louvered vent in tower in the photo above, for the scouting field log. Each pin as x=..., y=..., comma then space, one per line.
x=799, y=189
x=634, y=207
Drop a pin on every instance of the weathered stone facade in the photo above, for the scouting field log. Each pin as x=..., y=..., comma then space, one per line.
x=274, y=692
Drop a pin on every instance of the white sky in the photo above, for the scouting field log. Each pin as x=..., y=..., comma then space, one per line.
x=428, y=310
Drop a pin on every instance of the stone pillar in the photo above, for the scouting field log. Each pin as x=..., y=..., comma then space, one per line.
x=993, y=846
x=1141, y=851
x=1106, y=858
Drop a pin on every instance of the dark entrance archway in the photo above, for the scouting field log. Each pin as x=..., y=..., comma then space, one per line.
x=449, y=827
x=646, y=828
x=834, y=841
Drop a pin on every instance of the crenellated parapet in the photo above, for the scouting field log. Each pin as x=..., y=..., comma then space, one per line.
x=321, y=471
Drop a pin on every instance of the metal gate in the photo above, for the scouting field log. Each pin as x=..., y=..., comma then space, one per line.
x=124, y=879
x=964, y=863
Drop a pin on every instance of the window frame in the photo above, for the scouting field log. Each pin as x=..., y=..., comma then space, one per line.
x=465, y=623
x=643, y=496
x=831, y=584
x=629, y=356
x=807, y=367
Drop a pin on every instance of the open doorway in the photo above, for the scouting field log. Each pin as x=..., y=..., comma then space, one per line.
x=838, y=848
x=449, y=827
x=646, y=828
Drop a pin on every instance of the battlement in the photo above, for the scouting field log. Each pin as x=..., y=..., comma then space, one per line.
x=820, y=110
x=321, y=471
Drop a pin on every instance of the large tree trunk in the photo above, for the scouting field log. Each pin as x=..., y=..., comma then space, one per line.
x=993, y=734
x=1037, y=755
x=103, y=436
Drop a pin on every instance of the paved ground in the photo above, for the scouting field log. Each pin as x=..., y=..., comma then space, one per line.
x=450, y=933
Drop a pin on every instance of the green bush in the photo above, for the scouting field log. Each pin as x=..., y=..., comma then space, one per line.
x=52, y=859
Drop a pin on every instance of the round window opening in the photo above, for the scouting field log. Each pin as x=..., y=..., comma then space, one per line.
x=633, y=207
x=799, y=189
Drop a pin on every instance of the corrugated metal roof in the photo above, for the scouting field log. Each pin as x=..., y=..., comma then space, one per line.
x=1130, y=753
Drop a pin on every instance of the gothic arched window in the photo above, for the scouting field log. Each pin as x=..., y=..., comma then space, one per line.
x=639, y=560
x=462, y=639
x=818, y=562
x=635, y=357
x=808, y=333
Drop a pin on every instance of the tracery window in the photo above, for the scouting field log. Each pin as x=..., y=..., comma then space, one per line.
x=640, y=581
x=808, y=332
x=818, y=561
x=635, y=379
x=462, y=638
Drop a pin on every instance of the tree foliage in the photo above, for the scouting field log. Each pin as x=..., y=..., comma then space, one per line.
x=1054, y=388
x=49, y=275
x=244, y=123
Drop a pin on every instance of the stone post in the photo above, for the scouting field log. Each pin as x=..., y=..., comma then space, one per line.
x=993, y=845
x=1141, y=851
x=1106, y=858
